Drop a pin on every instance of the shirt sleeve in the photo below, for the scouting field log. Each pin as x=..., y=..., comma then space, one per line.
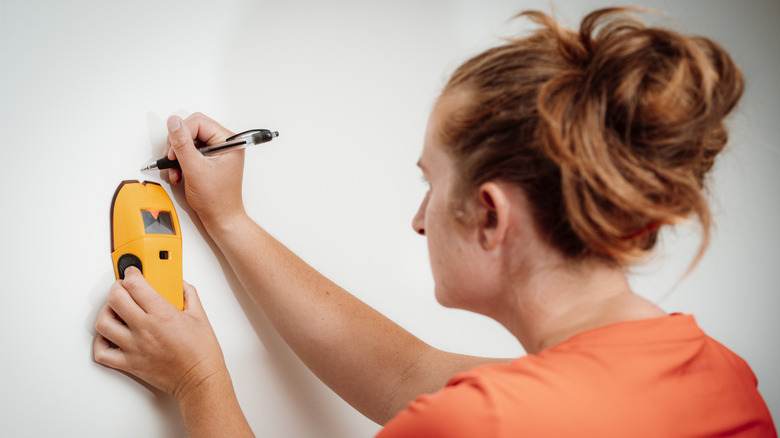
x=461, y=410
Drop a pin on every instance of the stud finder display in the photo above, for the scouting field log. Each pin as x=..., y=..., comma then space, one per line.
x=157, y=222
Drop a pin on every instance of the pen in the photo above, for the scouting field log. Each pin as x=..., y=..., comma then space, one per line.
x=235, y=142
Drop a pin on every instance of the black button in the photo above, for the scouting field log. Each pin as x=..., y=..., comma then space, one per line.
x=125, y=262
x=163, y=255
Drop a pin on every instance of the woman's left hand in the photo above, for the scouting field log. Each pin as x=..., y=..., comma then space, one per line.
x=141, y=333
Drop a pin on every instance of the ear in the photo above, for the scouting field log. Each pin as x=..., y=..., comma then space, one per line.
x=494, y=212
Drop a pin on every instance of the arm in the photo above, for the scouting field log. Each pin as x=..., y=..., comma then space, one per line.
x=371, y=362
x=175, y=351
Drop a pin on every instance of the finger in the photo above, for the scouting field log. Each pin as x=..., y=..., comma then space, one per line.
x=107, y=355
x=111, y=328
x=123, y=304
x=206, y=129
x=169, y=152
x=143, y=293
x=182, y=145
x=174, y=173
x=192, y=300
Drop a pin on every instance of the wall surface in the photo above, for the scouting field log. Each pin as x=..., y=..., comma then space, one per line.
x=86, y=86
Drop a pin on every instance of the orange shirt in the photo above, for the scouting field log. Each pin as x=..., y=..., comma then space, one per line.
x=660, y=377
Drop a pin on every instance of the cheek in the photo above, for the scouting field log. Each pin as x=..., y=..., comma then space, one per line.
x=458, y=278
x=449, y=262
x=438, y=242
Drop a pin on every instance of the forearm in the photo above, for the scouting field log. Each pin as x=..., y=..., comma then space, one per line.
x=352, y=348
x=371, y=362
x=211, y=409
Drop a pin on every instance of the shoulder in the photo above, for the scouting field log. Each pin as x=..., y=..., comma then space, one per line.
x=657, y=378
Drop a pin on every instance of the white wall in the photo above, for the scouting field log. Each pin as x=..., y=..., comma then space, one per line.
x=86, y=87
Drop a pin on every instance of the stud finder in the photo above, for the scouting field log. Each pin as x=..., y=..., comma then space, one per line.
x=145, y=233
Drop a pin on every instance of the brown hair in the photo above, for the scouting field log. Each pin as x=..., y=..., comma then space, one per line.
x=609, y=130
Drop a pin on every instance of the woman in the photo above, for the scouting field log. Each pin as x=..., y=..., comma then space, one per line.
x=553, y=160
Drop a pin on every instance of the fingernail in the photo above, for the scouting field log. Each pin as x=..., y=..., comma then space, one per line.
x=174, y=123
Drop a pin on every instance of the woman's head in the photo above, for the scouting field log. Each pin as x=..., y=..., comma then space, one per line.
x=609, y=131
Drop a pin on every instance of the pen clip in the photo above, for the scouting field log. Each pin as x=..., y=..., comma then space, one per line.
x=248, y=133
x=240, y=141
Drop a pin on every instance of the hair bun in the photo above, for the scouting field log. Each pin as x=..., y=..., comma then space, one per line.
x=634, y=124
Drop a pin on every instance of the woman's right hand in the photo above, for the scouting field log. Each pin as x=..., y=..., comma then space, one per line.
x=212, y=184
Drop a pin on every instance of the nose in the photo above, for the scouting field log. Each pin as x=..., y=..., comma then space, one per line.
x=418, y=223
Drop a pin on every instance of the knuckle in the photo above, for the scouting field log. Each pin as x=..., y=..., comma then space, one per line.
x=102, y=326
x=115, y=297
x=178, y=139
x=103, y=357
x=100, y=356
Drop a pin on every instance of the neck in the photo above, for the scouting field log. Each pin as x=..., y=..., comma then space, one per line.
x=554, y=300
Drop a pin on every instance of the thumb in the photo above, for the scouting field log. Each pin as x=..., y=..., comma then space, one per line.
x=182, y=145
x=192, y=300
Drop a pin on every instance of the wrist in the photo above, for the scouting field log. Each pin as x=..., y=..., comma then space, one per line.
x=199, y=386
x=211, y=409
x=219, y=224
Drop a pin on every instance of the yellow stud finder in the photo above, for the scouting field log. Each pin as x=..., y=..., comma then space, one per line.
x=145, y=233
